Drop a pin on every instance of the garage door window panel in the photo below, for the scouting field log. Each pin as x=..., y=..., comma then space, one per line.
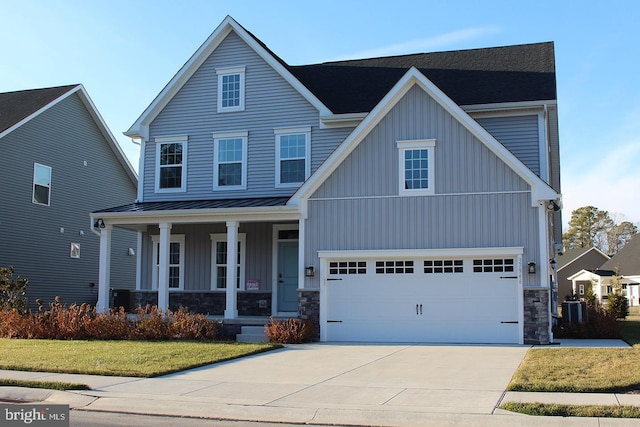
x=394, y=267
x=347, y=267
x=505, y=265
x=443, y=266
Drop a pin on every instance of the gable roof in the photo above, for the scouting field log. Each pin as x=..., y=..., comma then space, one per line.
x=140, y=127
x=539, y=189
x=571, y=255
x=469, y=77
x=627, y=261
x=18, y=108
x=475, y=76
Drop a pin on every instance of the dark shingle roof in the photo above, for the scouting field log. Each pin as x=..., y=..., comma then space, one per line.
x=199, y=204
x=16, y=106
x=627, y=261
x=476, y=76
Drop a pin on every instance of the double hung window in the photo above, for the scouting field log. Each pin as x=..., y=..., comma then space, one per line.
x=230, y=161
x=176, y=261
x=219, y=261
x=171, y=163
x=293, y=148
x=41, y=194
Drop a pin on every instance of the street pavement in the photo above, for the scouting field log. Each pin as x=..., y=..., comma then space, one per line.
x=334, y=384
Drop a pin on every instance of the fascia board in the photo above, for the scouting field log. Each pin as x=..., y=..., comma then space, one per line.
x=418, y=253
x=540, y=190
x=200, y=215
x=140, y=127
x=518, y=105
x=588, y=274
x=40, y=111
x=104, y=129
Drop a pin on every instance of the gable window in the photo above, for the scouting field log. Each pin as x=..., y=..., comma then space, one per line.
x=293, y=153
x=171, y=168
x=230, y=161
x=416, y=166
x=176, y=261
x=230, y=89
x=41, y=194
x=219, y=261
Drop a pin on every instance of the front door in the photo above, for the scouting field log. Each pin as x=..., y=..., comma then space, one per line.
x=287, y=276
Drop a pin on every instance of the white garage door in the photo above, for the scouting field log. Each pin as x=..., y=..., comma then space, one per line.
x=452, y=299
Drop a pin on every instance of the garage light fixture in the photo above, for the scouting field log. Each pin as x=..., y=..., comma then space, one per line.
x=532, y=267
x=309, y=271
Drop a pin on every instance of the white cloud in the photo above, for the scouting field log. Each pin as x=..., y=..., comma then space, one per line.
x=430, y=44
x=611, y=184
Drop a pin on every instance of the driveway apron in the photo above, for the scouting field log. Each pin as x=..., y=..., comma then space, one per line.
x=410, y=378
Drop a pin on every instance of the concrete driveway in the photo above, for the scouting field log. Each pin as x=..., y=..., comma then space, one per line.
x=454, y=379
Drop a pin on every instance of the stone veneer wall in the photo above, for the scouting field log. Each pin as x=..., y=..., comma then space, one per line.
x=309, y=308
x=536, y=316
x=211, y=303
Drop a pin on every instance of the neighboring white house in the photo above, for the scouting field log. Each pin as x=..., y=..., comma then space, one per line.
x=602, y=282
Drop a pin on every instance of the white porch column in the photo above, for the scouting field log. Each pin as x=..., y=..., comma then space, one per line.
x=104, y=269
x=231, y=311
x=163, y=266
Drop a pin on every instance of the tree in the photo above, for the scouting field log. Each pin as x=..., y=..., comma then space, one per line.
x=12, y=291
x=620, y=235
x=588, y=227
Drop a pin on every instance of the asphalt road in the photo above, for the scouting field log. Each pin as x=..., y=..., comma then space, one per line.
x=110, y=419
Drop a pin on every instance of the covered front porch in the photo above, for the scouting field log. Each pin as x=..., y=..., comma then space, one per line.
x=182, y=256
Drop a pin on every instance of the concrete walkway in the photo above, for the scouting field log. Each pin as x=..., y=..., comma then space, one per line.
x=346, y=384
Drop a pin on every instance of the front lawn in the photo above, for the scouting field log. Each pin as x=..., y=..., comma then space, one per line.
x=583, y=370
x=120, y=358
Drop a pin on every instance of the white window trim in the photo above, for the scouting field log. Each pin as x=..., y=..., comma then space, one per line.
x=418, y=144
x=279, y=132
x=222, y=237
x=175, y=238
x=181, y=139
x=227, y=71
x=33, y=186
x=230, y=135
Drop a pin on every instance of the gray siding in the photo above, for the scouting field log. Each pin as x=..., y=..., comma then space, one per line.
x=198, y=254
x=270, y=102
x=63, y=137
x=479, y=201
x=463, y=164
x=520, y=134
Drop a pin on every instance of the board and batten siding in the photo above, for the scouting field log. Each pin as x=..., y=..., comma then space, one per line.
x=37, y=239
x=197, y=273
x=520, y=134
x=270, y=102
x=479, y=201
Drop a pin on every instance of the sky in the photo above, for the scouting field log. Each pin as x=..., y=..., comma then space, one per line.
x=125, y=51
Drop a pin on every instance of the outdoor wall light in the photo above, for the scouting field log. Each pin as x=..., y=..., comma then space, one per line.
x=309, y=271
x=99, y=223
x=532, y=267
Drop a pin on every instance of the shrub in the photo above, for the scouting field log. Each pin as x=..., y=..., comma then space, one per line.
x=84, y=322
x=618, y=305
x=291, y=331
x=12, y=291
x=600, y=324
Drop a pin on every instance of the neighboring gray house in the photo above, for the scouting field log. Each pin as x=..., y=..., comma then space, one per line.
x=399, y=199
x=572, y=261
x=625, y=265
x=58, y=163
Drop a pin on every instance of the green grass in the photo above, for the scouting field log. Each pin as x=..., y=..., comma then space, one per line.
x=555, y=410
x=50, y=385
x=120, y=358
x=583, y=370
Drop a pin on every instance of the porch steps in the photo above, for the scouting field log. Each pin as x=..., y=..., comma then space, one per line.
x=252, y=334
